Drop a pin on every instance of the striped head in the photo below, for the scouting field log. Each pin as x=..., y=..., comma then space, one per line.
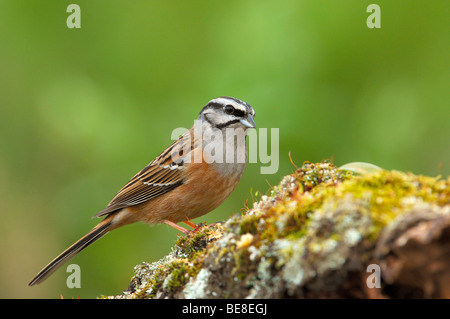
x=228, y=112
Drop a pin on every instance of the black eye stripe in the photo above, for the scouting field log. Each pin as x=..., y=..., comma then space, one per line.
x=239, y=113
x=229, y=109
x=221, y=126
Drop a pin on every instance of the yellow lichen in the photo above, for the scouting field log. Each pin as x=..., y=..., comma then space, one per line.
x=244, y=241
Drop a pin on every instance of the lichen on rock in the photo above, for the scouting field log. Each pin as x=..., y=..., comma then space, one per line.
x=313, y=235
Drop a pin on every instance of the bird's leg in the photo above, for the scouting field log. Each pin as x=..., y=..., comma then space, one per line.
x=177, y=227
x=189, y=222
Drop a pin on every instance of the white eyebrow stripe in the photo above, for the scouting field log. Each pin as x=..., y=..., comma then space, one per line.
x=225, y=101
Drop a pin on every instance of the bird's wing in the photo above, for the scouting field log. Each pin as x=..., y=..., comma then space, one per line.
x=163, y=174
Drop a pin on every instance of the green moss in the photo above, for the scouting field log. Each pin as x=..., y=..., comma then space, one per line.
x=240, y=259
x=178, y=274
x=392, y=193
x=288, y=210
x=387, y=194
x=192, y=243
x=249, y=224
x=296, y=235
x=149, y=289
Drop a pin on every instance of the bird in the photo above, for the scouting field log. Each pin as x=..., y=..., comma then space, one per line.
x=190, y=178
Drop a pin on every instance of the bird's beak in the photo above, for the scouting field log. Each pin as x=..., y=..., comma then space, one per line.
x=248, y=122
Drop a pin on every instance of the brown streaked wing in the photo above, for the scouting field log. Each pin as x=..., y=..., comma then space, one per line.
x=157, y=178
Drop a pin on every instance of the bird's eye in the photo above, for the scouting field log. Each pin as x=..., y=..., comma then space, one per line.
x=229, y=109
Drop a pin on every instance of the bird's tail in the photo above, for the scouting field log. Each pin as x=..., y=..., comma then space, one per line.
x=96, y=233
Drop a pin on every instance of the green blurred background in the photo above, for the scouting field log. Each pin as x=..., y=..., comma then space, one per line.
x=82, y=110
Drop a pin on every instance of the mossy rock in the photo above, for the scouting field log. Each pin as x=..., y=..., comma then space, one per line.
x=316, y=235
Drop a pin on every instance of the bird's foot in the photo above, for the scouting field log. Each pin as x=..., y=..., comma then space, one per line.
x=195, y=227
